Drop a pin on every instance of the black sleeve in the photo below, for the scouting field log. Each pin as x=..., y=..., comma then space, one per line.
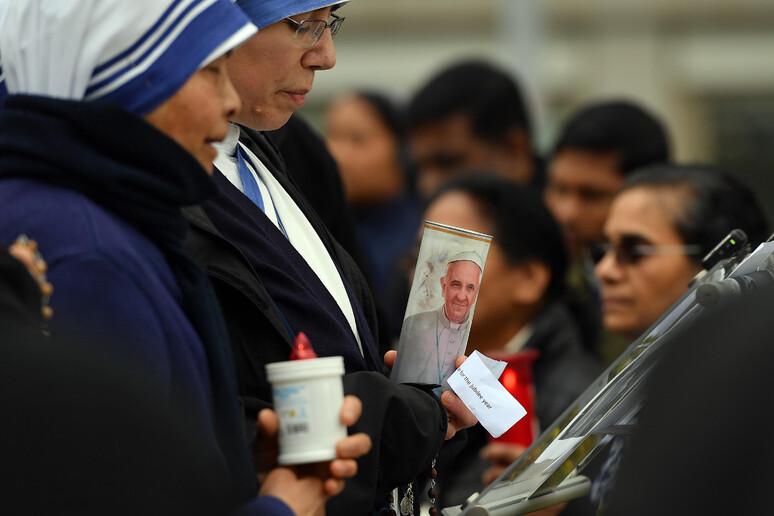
x=407, y=425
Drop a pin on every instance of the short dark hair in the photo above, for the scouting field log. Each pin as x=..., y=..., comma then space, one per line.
x=487, y=95
x=637, y=137
x=717, y=202
x=522, y=225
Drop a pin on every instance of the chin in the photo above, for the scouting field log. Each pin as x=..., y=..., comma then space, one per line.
x=279, y=120
x=619, y=327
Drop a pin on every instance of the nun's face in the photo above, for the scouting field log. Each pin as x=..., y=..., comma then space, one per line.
x=197, y=115
x=272, y=74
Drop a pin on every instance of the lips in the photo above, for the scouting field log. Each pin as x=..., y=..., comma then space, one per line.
x=612, y=303
x=298, y=96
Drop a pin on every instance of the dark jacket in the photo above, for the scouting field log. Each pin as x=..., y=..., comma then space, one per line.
x=406, y=423
x=104, y=208
x=564, y=368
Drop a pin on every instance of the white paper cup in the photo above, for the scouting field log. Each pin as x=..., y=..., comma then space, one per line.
x=308, y=395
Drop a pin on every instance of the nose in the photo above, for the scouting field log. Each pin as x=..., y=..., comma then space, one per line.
x=608, y=270
x=231, y=101
x=322, y=56
x=566, y=209
x=429, y=179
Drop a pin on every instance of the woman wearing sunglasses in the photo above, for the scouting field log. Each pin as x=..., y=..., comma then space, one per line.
x=661, y=224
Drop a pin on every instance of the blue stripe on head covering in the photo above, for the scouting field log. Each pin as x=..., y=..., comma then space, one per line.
x=180, y=43
x=136, y=54
x=265, y=12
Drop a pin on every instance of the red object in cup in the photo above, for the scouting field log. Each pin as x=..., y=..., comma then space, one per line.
x=302, y=348
x=518, y=380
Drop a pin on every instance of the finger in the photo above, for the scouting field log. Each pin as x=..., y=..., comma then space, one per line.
x=459, y=415
x=460, y=359
x=353, y=446
x=351, y=410
x=25, y=255
x=341, y=468
x=491, y=474
x=333, y=486
x=267, y=422
x=501, y=452
x=389, y=358
x=265, y=446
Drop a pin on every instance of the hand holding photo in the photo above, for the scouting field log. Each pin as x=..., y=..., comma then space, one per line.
x=476, y=385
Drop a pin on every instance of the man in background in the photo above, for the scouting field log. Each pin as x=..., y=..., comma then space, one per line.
x=469, y=117
x=597, y=148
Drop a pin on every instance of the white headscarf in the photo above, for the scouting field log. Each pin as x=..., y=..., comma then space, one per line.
x=136, y=53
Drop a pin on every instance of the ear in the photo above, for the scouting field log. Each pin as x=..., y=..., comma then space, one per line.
x=532, y=279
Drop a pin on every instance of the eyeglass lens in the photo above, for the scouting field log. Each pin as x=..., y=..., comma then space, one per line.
x=631, y=250
x=310, y=31
x=626, y=253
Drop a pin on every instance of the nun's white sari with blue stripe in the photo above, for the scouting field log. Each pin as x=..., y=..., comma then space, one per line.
x=136, y=53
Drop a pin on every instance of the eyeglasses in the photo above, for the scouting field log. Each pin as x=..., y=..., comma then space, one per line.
x=309, y=32
x=630, y=250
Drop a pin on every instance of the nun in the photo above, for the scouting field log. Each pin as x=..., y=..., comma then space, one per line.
x=278, y=271
x=107, y=130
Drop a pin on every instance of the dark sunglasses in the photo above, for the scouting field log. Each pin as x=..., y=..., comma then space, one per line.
x=631, y=250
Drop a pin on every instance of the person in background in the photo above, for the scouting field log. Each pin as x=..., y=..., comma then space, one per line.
x=595, y=151
x=277, y=271
x=520, y=307
x=366, y=133
x=663, y=221
x=471, y=116
x=122, y=153
x=661, y=224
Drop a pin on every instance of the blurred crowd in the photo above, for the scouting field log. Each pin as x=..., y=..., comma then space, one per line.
x=594, y=239
x=170, y=225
